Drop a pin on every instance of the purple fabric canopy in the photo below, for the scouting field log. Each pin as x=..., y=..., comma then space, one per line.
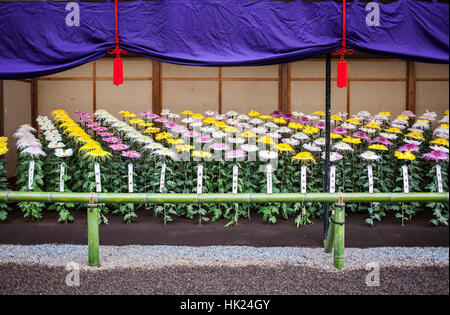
x=35, y=39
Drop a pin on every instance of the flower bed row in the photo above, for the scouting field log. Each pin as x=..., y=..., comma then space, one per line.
x=258, y=153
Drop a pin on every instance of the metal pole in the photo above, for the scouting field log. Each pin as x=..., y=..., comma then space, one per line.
x=326, y=182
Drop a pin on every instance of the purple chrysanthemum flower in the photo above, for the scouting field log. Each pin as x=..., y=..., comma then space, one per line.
x=409, y=147
x=436, y=156
x=408, y=113
x=320, y=125
x=276, y=113
x=305, y=120
x=289, y=117
x=340, y=130
x=146, y=112
x=94, y=124
x=383, y=141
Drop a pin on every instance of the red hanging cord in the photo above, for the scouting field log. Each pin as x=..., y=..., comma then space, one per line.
x=342, y=65
x=118, y=65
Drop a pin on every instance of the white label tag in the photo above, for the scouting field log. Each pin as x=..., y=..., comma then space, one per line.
x=269, y=178
x=162, y=180
x=98, y=181
x=199, y=179
x=333, y=179
x=235, y=179
x=439, y=178
x=62, y=171
x=30, y=175
x=130, y=177
x=303, y=179
x=370, y=176
x=405, y=179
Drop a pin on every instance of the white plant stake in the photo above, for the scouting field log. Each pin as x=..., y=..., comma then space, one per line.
x=269, y=178
x=235, y=179
x=62, y=171
x=30, y=175
x=303, y=179
x=405, y=179
x=332, y=179
x=439, y=178
x=130, y=177
x=98, y=182
x=162, y=180
x=199, y=179
x=370, y=176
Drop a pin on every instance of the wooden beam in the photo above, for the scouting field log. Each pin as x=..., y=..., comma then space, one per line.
x=284, y=93
x=2, y=110
x=348, y=89
x=410, y=86
x=156, y=87
x=34, y=103
x=94, y=87
x=220, y=91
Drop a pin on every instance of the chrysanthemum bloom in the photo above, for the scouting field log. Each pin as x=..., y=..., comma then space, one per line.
x=284, y=147
x=209, y=120
x=339, y=130
x=219, y=134
x=190, y=134
x=274, y=135
x=151, y=116
x=231, y=129
x=408, y=113
x=185, y=148
x=232, y=113
x=112, y=139
x=407, y=155
x=235, y=154
x=416, y=142
x=170, y=124
x=335, y=136
x=319, y=112
x=361, y=135
x=387, y=135
x=187, y=112
x=393, y=130
x=63, y=152
x=351, y=140
x=416, y=130
x=97, y=154
x=335, y=117
x=119, y=146
x=201, y=154
x=320, y=141
x=444, y=119
x=3, y=150
x=175, y=141
x=219, y=147
x=33, y=151
x=203, y=139
x=178, y=129
x=131, y=154
x=28, y=141
x=311, y=147
x=303, y=157
x=276, y=113
x=91, y=145
x=372, y=125
x=267, y=155
x=249, y=147
x=153, y=146
x=370, y=156
x=383, y=141
x=379, y=147
x=334, y=156
x=280, y=121
x=291, y=141
x=161, y=120
x=409, y=147
x=439, y=148
x=353, y=121
x=265, y=117
x=236, y=140
x=309, y=130
x=209, y=113
x=300, y=136
x=265, y=139
x=385, y=114
x=256, y=121
x=56, y=144
x=295, y=125
x=431, y=116
x=271, y=125
x=342, y=146
x=441, y=135
x=93, y=124
x=305, y=120
x=348, y=126
x=248, y=134
x=421, y=124
x=416, y=135
x=253, y=113
x=440, y=141
x=54, y=137
x=105, y=134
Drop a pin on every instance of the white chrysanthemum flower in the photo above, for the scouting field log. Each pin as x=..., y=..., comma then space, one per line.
x=249, y=147
x=259, y=130
x=56, y=144
x=267, y=155
x=296, y=114
x=47, y=127
x=441, y=130
x=196, y=124
x=284, y=130
x=63, y=152
x=271, y=125
x=51, y=132
x=188, y=120
x=364, y=113
x=243, y=117
x=165, y=112
x=388, y=135
x=236, y=140
x=256, y=121
x=208, y=129
x=444, y=120
x=26, y=127
x=368, y=130
x=348, y=126
x=218, y=134
x=312, y=117
x=370, y=156
x=153, y=146
x=133, y=134
x=311, y=147
x=144, y=140
x=28, y=141
x=22, y=133
x=232, y=113
x=342, y=146
x=173, y=116
x=408, y=140
x=439, y=148
x=166, y=152
x=381, y=117
x=300, y=136
x=320, y=141
x=400, y=121
x=421, y=125
x=274, y=135
x=33, y=151
x=398, y=126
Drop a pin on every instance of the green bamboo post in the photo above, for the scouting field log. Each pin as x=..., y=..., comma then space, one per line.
x=330, y=239
x=339, y=233
x=93, y=234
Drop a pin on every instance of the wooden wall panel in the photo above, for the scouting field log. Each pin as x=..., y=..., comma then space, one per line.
x=197, y=96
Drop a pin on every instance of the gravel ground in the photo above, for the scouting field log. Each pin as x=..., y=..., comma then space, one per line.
x=41, y=269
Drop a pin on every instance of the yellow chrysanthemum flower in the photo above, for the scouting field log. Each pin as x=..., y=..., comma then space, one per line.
x=407, y=155
x=253, y=113
x=423, y=121
x=3, y=139
x=265, y=117
x=175, y=141
x=198, y=116
x=379, y=147
x=353, y=121
x=310, y=130
x=393, y=130
x=294, y=125
x=201, y=154
x=98, y=154
x=231, y=129
x=209, y=120
x=335, y=136
x=151, y=130
x=129, y=115
x=3, y=145
x=91, y=145
x=373, y=125
x=351, y=140
x=265, y=139
x=3, y=150
x=387, y=114
x=220, y=124
x=335, y=117
x=248, y=134
x=444, y=126
x=440, y=141
x=187, y=112
x=162, y=135
x=304, y=157
x=319, y=112
x=284, y=147
x=416, y=135
x=280, y=121
x=402, y=117
x=446, y=112
x=184, y=148
x=136, y=121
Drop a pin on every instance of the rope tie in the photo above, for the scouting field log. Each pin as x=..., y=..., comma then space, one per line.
x=342, y=65
x=118, y=64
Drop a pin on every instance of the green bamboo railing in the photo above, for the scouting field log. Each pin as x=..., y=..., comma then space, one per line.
x=335, y=237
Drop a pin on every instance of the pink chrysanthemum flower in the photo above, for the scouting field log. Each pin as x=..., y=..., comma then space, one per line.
x=219, y=147
x=112, y=139
x=119, y=146
x=340, y=130
x=151, y=116
x=409, y=147
x=105, y=134
x=131, y=154
x=436, y=156
x=204, y=139
x=361, y=135
x=235, y=154
x=382, y=140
